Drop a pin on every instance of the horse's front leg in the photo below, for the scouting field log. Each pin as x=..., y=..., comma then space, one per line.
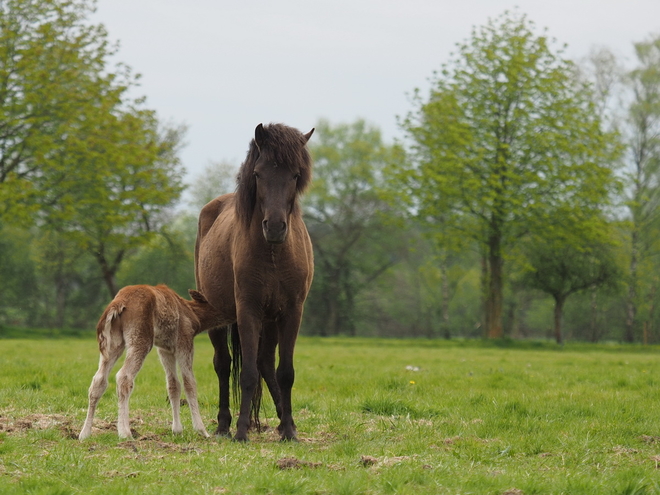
x=288, y=333
x=222, y=366
x=249, y=329
x=266, y=363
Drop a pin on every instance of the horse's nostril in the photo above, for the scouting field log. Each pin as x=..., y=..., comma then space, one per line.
x=274, y=226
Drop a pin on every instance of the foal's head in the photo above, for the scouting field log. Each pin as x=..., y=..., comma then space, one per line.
x=277, y=169
x=208, y=317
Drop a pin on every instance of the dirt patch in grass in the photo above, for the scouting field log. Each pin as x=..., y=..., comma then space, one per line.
x=38, y=422
x=293, y=463
x=151, y=443
x=369, y=461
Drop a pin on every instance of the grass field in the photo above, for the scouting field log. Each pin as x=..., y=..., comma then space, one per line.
x=475, y=418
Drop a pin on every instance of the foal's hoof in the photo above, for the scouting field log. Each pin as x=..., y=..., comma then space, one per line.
x=203, y=433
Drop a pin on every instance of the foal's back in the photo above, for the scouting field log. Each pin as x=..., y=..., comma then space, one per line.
x=145, y=316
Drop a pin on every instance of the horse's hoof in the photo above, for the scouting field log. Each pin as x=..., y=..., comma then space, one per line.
x=288, y=436
x=240, y=439
x=222, y=434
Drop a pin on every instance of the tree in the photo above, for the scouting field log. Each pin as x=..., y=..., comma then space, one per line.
x=642, y=132
x=127, y=175
x=77, y=155
x=343, y=212
x=507, y=133
x=58, y=262
x=54, y=80
x=18, y=274
x=168, y=258
x=578, y=256
x=217, y=178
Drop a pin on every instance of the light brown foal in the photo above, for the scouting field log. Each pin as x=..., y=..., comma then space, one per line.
x=139, y=317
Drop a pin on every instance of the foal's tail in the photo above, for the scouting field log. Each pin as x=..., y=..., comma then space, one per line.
x=104, y=326
x=237, y=363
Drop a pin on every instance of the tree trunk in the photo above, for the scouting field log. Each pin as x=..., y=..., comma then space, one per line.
x=109, y=270
x=111, y=284
x=331, y=325
x=445, y=298
x=631, y=309
x=60, y=301
x=594, y=332
x=512, y=316
x=485, y=300
x=327, y=325
x=651, y=318
x=559, y=309
x=494, y=294
x=348, y=318
x=645, y=334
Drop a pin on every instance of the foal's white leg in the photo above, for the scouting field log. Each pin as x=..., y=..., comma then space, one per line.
x=185, y=359
x=173, y=387
x=125, y=380
x=99, y=385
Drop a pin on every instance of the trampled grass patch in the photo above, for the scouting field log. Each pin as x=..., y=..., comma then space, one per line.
x=374, y=416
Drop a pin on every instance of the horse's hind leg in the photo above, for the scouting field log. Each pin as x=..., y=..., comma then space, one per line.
x=125, y=380
x=100, y=384
x=168, y=361
x=222, y=366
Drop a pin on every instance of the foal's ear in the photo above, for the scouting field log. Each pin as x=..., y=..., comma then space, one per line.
x=308, y=135
x=259, y=135
x=197, y=296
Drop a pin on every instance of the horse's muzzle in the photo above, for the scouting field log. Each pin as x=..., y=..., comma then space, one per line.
x=274, y=232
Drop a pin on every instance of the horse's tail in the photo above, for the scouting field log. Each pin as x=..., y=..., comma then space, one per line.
x=237, y=363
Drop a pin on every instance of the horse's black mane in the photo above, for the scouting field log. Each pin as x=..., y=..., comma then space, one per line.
x=282, y=145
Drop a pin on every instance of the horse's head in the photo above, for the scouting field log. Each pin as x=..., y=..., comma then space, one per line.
x=277, y=169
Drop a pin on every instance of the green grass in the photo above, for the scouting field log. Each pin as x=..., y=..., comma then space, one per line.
x=478, y=417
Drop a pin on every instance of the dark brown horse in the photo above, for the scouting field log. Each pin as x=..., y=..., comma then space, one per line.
x=254, y=264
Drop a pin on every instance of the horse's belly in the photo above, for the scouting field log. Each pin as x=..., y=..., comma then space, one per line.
x=216, y=283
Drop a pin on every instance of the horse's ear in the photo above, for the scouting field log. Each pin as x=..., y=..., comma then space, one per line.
x=197, y=296
x=259, y=135
x=308, y=135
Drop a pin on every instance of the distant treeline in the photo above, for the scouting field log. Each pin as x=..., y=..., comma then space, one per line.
x=523, y=203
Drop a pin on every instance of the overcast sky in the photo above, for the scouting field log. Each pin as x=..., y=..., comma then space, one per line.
x=222, y=67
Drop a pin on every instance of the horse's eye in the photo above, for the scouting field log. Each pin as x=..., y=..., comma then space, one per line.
x=297, y=176
x=256, y=175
